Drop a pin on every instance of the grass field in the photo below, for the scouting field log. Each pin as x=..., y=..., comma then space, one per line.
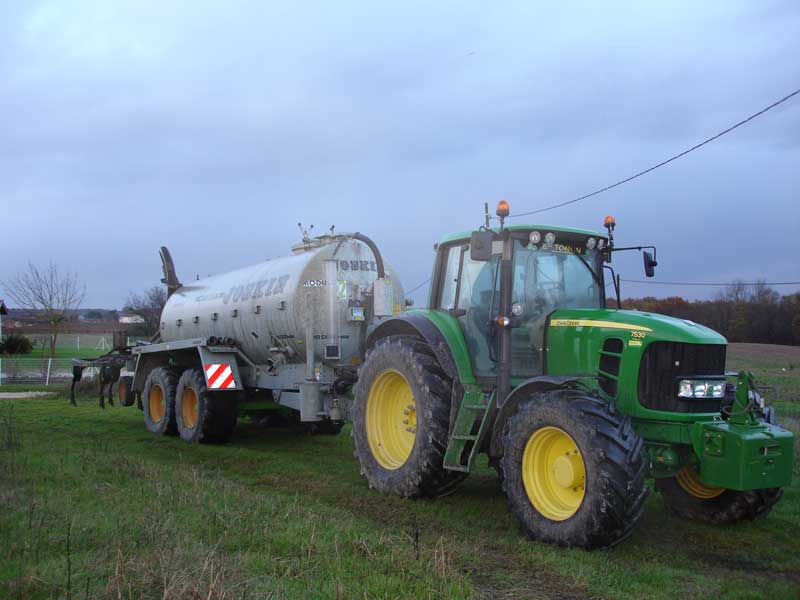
x=95, y=507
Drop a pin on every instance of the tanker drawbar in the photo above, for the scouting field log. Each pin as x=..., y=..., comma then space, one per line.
x=281, y=339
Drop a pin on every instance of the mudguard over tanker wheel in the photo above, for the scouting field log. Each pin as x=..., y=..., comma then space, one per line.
x=573, y=470
x=158, y=398
x=401, y=417
x=203, y=416
x=688, y=497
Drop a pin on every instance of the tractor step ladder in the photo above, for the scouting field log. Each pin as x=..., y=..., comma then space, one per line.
x=468, y=430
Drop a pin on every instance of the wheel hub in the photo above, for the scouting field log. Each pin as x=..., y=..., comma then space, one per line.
x=568, y=470
x=553, y=473
x=156, y=403
x=189, y=408
x=391, y=419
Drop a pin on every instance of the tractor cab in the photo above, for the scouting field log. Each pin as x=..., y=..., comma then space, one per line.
x=550, y=268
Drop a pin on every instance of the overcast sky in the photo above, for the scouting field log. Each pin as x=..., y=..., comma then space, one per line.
x=214, y=127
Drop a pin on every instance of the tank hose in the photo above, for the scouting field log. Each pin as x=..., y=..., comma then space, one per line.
x=372, y=246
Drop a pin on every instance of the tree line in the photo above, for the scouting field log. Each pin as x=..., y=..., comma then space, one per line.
x=741, y=312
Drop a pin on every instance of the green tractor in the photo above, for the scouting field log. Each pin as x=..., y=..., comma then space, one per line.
x=576, y=404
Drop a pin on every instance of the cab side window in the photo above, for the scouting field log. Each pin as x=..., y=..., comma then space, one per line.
x=447, y=299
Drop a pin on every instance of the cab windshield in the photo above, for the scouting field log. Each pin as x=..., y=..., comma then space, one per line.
x=546, y=279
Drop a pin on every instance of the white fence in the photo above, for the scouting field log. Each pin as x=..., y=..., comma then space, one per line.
x=39, y=371
x=78, y=341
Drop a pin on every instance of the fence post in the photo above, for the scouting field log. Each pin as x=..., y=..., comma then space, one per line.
x=1, y=371
x=79, y=342
x=49, y=364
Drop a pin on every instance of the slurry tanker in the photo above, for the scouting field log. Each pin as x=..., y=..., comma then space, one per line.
x=519, y=355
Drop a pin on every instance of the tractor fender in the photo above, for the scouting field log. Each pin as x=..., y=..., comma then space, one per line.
x=509, y=405
x=418, y=326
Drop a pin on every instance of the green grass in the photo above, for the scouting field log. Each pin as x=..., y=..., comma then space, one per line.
x=92, y=503
x=92, y=506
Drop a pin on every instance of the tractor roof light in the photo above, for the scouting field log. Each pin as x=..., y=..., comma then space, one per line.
x=550, y=238
x=609, y=222
x=503, y=209
x=535, y=237
x=591, y=243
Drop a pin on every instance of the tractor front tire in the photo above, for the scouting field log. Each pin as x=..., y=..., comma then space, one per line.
x=158, y=398
x=686, y=496
x=573, y=470
x=401, y=417
x=202, y=416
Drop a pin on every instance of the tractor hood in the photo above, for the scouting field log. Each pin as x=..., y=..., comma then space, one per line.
x=652, y=326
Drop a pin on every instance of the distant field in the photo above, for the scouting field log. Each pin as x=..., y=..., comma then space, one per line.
x=94, y=505
x=777, y=367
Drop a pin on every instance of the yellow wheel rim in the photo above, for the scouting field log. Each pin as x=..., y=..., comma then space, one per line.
x=391, y=419
x=689, y=480
x=553, y=473
x=156, y=403
x=189, y=408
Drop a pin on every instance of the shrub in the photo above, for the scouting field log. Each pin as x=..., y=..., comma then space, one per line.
x=15, y=343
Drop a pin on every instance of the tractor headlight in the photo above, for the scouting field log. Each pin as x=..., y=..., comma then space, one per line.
x=535, y=237
x=591, y=243
x=701, y=388
x=550, y=238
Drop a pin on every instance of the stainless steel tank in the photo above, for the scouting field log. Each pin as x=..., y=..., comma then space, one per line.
x=320, y=293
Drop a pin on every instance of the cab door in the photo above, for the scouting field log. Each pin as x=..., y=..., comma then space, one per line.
x=469, y=291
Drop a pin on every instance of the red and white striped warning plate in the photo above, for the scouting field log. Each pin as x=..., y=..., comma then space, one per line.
x=220, y=377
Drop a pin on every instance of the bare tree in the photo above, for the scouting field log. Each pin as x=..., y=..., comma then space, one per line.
x=46, y=290
x=148, y=305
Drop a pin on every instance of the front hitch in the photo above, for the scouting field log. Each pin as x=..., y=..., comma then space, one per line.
x=743, y=452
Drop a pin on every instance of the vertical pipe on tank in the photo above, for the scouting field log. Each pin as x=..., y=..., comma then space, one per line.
x=309, y=339
x=331, y=276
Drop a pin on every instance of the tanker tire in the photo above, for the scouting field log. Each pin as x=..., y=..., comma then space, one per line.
x=422, y=475
x=165, y=380
x=615, y=485
x=208, y=419
x=729, y=507
x=125, y=392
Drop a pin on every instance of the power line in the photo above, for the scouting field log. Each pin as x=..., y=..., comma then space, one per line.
x=662, y=163
x=714, y=284
x=419, y=286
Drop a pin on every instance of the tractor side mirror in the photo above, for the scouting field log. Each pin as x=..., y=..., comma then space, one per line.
x=649, y=264
x=480, y=246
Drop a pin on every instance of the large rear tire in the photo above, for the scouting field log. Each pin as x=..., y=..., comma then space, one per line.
x=203, y=416
x=688, y=497
x=401, y=417
x=573, y=470
x=158, y=398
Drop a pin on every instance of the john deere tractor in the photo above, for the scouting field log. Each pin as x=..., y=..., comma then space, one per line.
x=576, y=403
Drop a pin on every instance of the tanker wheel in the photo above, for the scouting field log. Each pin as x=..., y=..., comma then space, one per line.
x=687, y=496
x=203, y=416
x=401, y=416
x=158, y=398
x=125, y=391
x=573, y=471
